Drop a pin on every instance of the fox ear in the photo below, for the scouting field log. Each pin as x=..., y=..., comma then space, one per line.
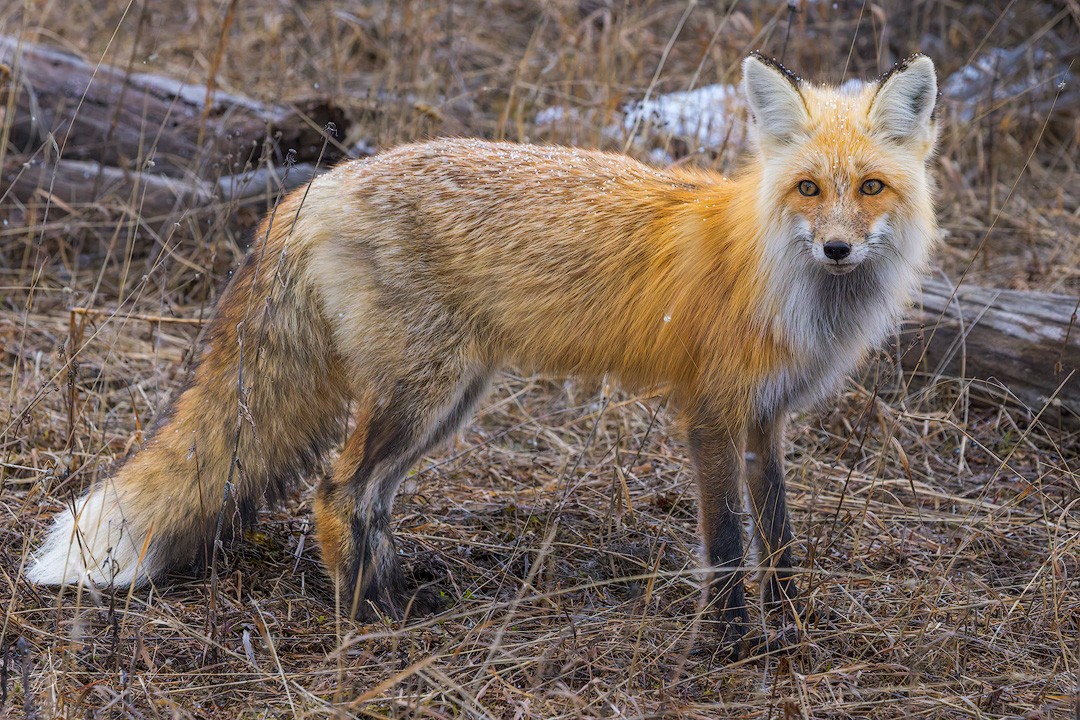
x=903, y=107
x=779, y=113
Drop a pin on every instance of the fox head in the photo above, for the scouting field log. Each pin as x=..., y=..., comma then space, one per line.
x=844, y=179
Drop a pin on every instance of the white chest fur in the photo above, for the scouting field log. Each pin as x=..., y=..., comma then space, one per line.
x=829, y=323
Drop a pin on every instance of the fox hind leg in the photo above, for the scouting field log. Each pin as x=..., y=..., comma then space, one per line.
x=420, y=409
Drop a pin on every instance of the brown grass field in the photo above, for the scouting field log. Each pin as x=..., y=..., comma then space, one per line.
x=939, y=531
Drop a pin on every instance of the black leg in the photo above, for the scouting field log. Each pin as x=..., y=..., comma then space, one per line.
x=765, y=477
x=353, y=508
x=717, y=453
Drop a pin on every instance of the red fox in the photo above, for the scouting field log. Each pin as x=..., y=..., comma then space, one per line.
x=399, y=284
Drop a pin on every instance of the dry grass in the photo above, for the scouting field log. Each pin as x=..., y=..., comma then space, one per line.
x=942, y=536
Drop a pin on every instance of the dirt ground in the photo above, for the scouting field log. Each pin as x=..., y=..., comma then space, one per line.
x=940, y=534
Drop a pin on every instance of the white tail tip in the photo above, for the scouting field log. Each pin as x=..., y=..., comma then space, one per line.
x=96, y=545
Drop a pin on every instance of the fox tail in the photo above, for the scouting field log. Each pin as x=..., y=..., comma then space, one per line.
x=267, y=398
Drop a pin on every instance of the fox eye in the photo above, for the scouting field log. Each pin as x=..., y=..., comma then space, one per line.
x=872, y=187
x=808, y=188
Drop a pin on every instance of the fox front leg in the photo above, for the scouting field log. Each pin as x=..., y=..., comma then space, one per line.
x=765, y=478
x=717, y=453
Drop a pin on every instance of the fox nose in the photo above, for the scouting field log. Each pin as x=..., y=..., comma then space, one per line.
x=837, y=249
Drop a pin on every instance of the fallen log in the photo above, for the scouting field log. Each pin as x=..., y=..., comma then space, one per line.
x=1024, y=345
x=135, y=121
x=76, y=184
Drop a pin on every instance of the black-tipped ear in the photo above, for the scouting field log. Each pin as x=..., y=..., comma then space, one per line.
x=775, y=102
x=903, y=107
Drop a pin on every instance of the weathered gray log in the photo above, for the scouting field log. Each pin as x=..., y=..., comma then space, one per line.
x=1022, y=84
x=1025, y=344
x=78, y=183
x=129, y=120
